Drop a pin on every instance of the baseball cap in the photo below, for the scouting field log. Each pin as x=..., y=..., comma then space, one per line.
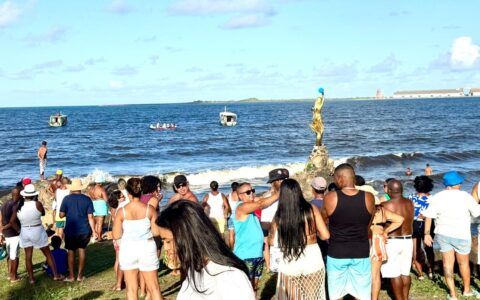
x=277, y=174
x=319, y=183
x=179, y=179
x=59, y=172
x=26, y=181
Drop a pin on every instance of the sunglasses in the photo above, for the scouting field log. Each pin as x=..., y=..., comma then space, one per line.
x=181, y=185
x=252, y=191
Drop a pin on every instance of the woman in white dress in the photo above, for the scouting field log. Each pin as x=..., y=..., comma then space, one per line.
x=301, y=271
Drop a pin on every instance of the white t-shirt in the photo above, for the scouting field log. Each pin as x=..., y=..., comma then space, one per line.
x=269, y=212
x=219, y=282
x=452, y=211
x=59, y=195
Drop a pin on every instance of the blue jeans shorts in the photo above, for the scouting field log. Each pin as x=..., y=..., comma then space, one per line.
x=446, y=243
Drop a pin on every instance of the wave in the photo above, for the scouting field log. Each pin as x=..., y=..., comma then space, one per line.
x=393, y=158
x=203, y=178
x=227, y=176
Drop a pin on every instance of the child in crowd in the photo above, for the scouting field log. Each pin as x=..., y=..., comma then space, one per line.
x=59, y=256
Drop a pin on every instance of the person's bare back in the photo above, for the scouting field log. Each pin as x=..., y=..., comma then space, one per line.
x=98, y=192
x=400, y=206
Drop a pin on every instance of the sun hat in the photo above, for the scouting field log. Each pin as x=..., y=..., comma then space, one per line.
x=76, y=185
x=29, y=191
x=26, y=181
x=452, y=178
x=277, y=174
x=319, y=183
x=179, y=179
x=59, y=172
x=99, y=178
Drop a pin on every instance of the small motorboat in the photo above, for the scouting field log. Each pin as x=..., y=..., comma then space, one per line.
x=57, y=120
x=163, y=126
x=228, y=118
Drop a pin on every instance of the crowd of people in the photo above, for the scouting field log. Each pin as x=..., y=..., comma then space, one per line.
x=341, y=242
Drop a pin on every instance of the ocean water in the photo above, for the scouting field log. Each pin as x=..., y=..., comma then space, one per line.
x=380, y=138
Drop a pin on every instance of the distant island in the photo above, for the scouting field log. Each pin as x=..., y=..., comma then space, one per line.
x=250, y=100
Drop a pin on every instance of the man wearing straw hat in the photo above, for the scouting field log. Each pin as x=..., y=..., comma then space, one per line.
x=79, y=226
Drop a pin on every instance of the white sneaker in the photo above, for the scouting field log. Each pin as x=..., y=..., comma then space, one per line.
x=472, y=293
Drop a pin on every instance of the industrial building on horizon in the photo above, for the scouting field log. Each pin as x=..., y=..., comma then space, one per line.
x=440, y=93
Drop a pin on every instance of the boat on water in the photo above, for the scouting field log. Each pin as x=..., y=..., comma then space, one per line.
x=57, y=120
x=163, y=126
x=228, y=118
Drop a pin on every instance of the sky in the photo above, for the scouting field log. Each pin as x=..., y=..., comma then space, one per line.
x=60, y=52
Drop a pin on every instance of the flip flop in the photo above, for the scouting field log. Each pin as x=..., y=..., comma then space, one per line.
x=59, y=278
x=116, y=288
x=15, y=280
x=31, y=281
x=68, y=279
x=81, y=279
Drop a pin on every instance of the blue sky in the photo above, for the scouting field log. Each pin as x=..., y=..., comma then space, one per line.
x=60, y=52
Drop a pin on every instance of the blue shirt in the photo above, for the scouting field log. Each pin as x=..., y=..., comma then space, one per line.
x=77, y=207
x=318, y=203
x=60, y=257
x=420, y=204
x=248, y=237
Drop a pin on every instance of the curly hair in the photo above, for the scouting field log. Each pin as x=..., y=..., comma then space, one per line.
x=423, y=184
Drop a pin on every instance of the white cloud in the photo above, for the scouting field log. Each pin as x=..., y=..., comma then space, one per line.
x=119, y=7
x=246, y=21
x=116, y=84
x=54, y=35
x=9, y=13
x=388, y=65
x=202, y=7
x=125, y=71
x=464, y=53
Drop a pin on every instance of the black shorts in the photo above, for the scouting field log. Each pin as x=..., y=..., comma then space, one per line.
x=266, y=228
x=418, y=229
x=74, y=242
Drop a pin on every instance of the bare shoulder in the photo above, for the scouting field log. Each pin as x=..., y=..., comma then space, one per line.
x=191, y=196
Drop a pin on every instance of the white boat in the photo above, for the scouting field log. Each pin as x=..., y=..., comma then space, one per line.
x=228, y=118
x=163, y=126
x=57, y=120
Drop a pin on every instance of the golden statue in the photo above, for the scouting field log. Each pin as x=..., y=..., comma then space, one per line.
x=317, y=122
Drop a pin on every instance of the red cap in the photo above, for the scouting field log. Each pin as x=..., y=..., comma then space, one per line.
x=26, y=181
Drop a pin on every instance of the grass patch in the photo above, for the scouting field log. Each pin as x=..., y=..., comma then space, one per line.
x=101, y=278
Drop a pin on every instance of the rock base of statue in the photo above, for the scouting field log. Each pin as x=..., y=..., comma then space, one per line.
x=319, y=164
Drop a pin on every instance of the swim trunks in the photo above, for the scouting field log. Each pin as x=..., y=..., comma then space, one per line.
x=349, y=276
x=399, y=252
x=100, y=208
x=255, y=267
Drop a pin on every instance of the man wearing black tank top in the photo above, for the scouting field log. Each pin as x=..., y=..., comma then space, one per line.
x=400, y=244
x=349, y=212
